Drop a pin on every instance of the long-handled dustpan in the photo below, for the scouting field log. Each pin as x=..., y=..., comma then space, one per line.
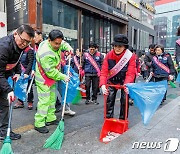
x=113, y=127
x=56, y=139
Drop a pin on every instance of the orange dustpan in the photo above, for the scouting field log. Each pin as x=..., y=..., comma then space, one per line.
x=113, y=125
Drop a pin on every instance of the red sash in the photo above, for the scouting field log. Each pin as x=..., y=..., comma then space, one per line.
x=161, y=65
x=92, y=61
x=63, y=61
x=76, y=62
x=11, y=66
x=49, y=82
x=178, y=42
x=122, y=62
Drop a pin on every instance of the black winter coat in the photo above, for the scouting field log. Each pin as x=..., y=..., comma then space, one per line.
x=9, y=54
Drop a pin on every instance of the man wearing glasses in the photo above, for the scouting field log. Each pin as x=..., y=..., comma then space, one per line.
x=11, y=49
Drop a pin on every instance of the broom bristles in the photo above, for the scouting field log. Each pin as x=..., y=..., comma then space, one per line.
x=56, y=139
x=6, y=149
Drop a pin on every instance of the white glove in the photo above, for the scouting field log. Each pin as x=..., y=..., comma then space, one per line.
x=10, y=96
x=26, y=76
x=16, y=77
x=171, y=77
x=67, y=79
x=32, y=73
x=104, y=90
x=126, y=90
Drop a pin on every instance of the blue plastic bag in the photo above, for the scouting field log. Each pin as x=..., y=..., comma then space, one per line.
x=10, y=81
x=72, y=86
x=21, y=88
x=147, y=97
x=178, y=78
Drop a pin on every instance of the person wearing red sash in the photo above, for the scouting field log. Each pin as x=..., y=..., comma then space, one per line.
x=177, y=54
x=11, y=48
x=26, y=61
x=91, y=64
x=162, y=66
x=118, y=68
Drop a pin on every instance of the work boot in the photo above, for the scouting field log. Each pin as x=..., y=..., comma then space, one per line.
x=18, y=104
x=55, y=122
x=95, y=102
x=30, y=105
x=13, y=135
x=87, y=101
x=69, y=112
x=42, y=129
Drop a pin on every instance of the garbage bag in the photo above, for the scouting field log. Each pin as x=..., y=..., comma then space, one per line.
x=73, y=86
x=178, y=78
x=10, y=81
x=21, y=88
x=147, y=97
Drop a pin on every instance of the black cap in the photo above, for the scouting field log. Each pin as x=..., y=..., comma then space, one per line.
x=120, y=39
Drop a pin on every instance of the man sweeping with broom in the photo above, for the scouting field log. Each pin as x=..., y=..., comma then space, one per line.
x=11, y=48
x=48, y=64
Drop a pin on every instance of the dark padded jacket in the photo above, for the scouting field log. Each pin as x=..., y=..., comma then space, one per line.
x=9, y=54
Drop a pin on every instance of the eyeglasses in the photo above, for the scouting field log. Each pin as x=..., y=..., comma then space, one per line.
x=24, y=41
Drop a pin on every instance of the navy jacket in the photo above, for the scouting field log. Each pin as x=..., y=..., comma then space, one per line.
x=165, y=59
x=9, y=54
x=88, y=67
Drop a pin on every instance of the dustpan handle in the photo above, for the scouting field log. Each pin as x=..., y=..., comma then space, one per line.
x=126, y=106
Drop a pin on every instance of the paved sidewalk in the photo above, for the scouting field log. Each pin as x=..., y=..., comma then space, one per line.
x=84, y=137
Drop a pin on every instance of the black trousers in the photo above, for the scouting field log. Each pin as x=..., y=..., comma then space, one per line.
x=161, y=79
x=4, y=110
x=111, y=102
x=94, y=80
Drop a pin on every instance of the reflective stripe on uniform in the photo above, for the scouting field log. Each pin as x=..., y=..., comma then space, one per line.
x=52, y=107
x=45, y=54
x=37, y=78
x=42, y=112
x=44, y=94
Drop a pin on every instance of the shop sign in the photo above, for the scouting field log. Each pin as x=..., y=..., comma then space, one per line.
x=148, y=6
x=133, y=3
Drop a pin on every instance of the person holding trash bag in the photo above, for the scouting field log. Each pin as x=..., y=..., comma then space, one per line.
x=11, y=49
x=162, y=66
x=48, y=64
x=118, y=68
x=26, y=66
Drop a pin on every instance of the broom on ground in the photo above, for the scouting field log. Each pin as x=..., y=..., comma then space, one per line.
x=6, y=148
x=56, y=139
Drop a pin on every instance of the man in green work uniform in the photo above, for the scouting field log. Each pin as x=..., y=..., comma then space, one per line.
x=48, y=72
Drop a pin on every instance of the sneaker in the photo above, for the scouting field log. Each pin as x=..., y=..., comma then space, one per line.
x=30, y=105
x=13, y=135
x=55, y=122
x=95, y=102
x=131, y=102
x=18, y=105
x=87, y=102
x=42, y=129
x=69, y=112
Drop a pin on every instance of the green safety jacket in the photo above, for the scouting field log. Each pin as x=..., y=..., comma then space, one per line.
x=49, y=59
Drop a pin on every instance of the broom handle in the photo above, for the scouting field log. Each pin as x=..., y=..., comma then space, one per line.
x=65, y=95
x=30, y=85
x=10, y=118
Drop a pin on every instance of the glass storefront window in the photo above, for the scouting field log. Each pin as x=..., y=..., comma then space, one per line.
x=63, y=17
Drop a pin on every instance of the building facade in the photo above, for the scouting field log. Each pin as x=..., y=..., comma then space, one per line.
x=167, y=20
x=3, y=19
x=141, y=24
x=83, y=21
